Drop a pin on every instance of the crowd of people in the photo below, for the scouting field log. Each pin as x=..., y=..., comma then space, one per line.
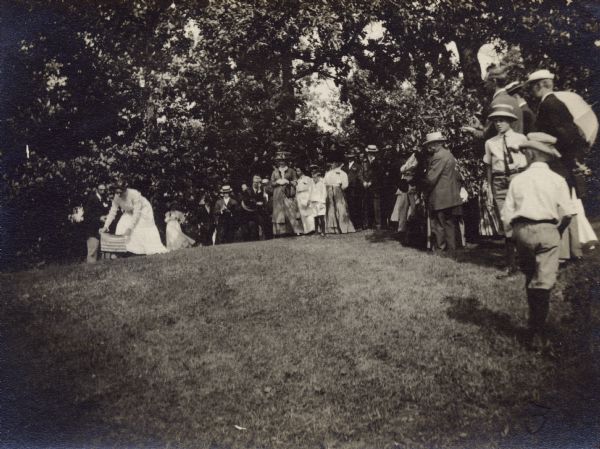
x=534, y=166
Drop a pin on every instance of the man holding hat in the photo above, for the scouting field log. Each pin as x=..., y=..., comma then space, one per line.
x=442, y=183
x=373, y=184
x=226, y=212
x=355, y=190
x=504, y=160
x=538, y=208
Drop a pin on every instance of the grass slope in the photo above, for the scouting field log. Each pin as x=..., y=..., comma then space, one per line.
x=347, y=341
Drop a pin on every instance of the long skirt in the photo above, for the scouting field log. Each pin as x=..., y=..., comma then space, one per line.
x=286, y=217
x=401, y=210
x=144, y=238
x=176, y=239
x=307, y=213
x=337, y=218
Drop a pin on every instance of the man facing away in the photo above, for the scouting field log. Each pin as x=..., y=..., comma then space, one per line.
x=538, y=208
x=442, y=183
x=94, y=215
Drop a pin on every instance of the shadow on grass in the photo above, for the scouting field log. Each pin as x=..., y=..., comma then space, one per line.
x=469, y=310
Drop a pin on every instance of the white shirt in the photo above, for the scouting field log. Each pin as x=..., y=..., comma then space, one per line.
x=494, y=151
x=318, y=192
x=350, y=165
x=336, y=177
x=537, y=194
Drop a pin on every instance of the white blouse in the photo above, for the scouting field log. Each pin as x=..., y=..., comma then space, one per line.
x=336, y=177
x=133, y=203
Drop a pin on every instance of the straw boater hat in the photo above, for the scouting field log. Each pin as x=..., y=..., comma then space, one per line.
x=503, y=110
x=435, y=136
x=541, y=142
x=226, y=189
x=372, y=149
x=540, y=75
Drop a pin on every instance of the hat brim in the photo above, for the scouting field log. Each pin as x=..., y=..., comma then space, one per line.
x=441, y=139
x=539, y=146
x=503, y=115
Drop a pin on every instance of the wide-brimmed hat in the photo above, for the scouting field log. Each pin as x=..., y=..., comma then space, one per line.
x=504, y=111
x=372, y=149
x=226, y=189
x=541, y=142
x=282, y=156
x=435, y=136
x=543, y=74
x=315, y=169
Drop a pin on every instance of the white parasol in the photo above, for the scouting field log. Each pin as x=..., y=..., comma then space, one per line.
x=582, y=113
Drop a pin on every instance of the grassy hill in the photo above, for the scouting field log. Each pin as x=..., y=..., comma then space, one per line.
x=349, y=341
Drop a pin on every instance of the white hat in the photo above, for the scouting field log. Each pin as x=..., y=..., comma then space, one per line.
x=372, y=149
x=226, y=189
x=540, y=75
x=435, y=136
x=542, y=142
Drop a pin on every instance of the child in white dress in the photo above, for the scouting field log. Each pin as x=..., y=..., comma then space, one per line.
x=318, y=199
x=176, y=239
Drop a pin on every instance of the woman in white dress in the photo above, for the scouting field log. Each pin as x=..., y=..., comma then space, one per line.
x=137, y=221
x=303, y=189
x=338, y=218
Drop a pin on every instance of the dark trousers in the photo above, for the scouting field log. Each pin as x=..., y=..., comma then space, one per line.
x=254, y=226
x=372, y=209
x=226, y=229
x=354, y=197
x=444, y=229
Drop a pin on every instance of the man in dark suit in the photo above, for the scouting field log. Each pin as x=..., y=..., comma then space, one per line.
x=94, y=215
x=442, y=184
x=555, y=119
x=226, y=212
x=252, y=210
x=206, y=220
x=373, y=173
x=355, y=191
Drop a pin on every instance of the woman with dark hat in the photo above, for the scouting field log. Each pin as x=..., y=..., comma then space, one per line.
x=286, y=217
x=137, y=221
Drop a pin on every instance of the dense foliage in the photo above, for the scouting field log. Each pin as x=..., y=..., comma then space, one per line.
x=186, y=95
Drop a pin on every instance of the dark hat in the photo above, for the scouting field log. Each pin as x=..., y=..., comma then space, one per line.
x=513, y=87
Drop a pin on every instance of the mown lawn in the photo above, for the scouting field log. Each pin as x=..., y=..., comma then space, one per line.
x=349, y=341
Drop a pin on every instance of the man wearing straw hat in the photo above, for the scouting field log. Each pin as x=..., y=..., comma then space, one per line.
x=226, y=212
x=538, y=208
x=554, y=118
x=504, y=160
x=442, y=183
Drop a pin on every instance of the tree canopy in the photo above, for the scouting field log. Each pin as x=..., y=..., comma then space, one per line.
x=174, y=92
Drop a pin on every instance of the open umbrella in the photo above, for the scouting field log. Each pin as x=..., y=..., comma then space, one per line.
x=582, y=113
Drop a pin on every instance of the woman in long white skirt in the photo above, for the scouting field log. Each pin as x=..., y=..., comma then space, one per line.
x=137, y=222
x=176, y=238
